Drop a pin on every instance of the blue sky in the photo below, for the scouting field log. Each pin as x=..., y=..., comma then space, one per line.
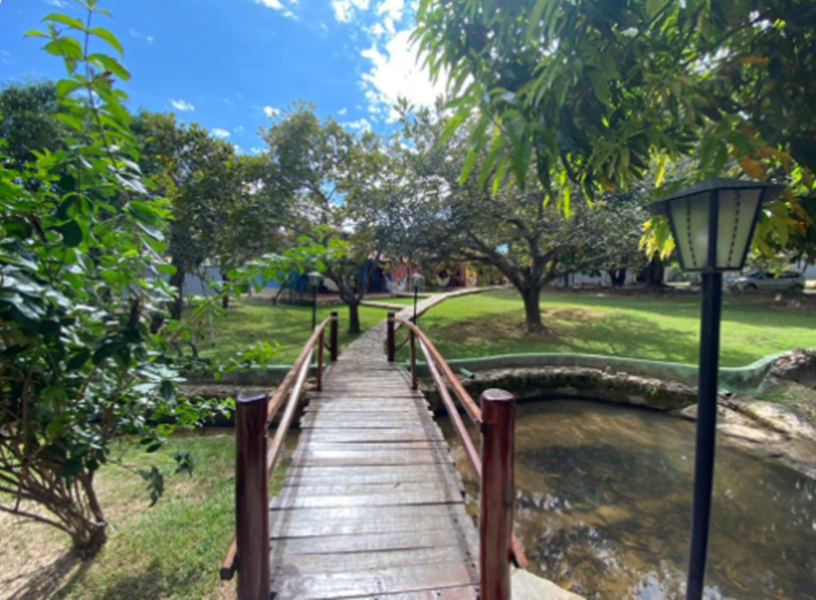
x=231, y=65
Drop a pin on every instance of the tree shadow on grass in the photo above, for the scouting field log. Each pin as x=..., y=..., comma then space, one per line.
x=150, y=582
x=54, y=578
x=67, y=571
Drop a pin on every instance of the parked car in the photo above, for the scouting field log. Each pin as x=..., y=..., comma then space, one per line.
x=788, y=281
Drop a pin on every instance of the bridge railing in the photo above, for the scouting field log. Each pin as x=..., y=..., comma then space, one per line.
x=256, y=458
x=495, y=419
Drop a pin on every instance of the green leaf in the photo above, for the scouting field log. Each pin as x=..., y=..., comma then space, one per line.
x=54, y=429
x=167, y=390
x=653, y=6
x=71, y=234
x=34, y=33
x=107, y=349
x=534, y=20
x=65, y=87
x=72, y=121
x=599, y=85
x=107, y=36
x=155, y=483
x=66, y=47
x=184, y=463
x=65, y=20
x=566, y=194
x=470, y=162
x=110, y=64
x=78, y=359
x=453, y=124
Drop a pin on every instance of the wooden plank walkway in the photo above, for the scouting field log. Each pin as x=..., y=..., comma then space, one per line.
x=372, y=506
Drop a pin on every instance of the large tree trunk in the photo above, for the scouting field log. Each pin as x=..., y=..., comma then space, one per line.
x=617, y=277
x=354, y=317
x=532, y=308
x=225, y=299
x=177, y=281
x=654, y=274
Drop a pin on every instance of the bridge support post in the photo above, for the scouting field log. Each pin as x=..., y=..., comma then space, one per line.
x=498, y=494
x=391, y=342
x=414, y=384
x=252, y=498
x=334, y=347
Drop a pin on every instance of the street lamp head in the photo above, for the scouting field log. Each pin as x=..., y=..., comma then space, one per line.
x=713, y=221
x=418, y=280
x=314, y=279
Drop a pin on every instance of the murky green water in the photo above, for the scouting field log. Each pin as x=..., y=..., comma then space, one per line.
x=604, y=506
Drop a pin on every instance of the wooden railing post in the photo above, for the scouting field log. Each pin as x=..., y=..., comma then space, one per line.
x=391, y=342
x=498, y=494
x=252, y=498
x=320, y=341
x=334, y=348
x=412, y=342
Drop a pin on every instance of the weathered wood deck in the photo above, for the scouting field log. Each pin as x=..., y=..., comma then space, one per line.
x=372, y=505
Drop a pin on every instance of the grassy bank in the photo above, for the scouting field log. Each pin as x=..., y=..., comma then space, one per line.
x=251, y=321
x=651, y=327
x=172, y=550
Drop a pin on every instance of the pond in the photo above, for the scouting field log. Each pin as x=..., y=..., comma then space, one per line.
x=604, y=505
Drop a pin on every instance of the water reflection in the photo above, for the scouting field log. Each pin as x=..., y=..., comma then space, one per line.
x=604, y=506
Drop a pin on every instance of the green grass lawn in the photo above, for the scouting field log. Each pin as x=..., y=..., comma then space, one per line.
x=652, y=327
x=251, y=321
x=172, y=550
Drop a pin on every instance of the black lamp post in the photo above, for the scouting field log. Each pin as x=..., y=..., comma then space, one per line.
x=314, y=280
x=712, y=224
x=417, y=280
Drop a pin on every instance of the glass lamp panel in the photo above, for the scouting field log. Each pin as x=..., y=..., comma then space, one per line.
x=690, y=218
x=736, y=213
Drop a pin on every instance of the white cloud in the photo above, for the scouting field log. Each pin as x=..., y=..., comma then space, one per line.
x=220, y=133
x=344, y=9
x=342, y=111
x=395, y=73
x=271, y=112
x=238, y=129
x=5, y=56
x=278, y=5
x=258, y=150
x=137, y=35
x=392, y=8
x=57, y=3
x=362, y=124
x=182, y=105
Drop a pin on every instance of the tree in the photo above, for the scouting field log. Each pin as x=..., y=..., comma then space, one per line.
x=342, y=194
x=199, y=174
x=79, y=366
x=252, y=218
x=596, y=90
x=28, y=120
x=501, y=224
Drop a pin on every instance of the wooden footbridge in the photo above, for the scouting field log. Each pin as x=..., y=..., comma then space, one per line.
x=371, y=505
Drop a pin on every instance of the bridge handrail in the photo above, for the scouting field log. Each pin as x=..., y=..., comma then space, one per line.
x=436, y=364
x=287, y=393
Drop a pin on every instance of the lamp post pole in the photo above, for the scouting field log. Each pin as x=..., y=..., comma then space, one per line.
x=314, y=307
x=695, y=215
x=416, y=296
x=706, y=432
x=706, y=443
